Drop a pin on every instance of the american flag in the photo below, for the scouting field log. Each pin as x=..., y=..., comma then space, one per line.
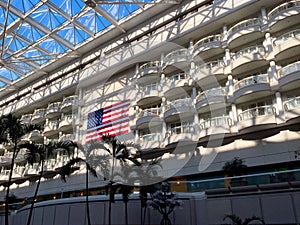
x=112, y=120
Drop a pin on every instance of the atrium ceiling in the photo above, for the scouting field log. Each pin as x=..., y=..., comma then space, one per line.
x=36, y=33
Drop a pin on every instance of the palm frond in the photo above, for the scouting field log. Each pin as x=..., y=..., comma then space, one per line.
x=253, y=218
x=234, y=218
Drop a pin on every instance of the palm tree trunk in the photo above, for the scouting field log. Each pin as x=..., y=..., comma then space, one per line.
x=87, y=197
x=9, y=183
x=35, y=193
x=144, y=218
x=109, y=208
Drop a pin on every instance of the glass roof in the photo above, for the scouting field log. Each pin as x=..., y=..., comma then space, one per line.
x=35, y=33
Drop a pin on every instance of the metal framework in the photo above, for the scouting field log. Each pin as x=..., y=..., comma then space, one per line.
x=34, y=33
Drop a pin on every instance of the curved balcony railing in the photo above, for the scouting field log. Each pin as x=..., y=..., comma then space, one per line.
x=257, y=111
x=69, y=101
x=291, y=68
x=243, y=24
x=176, y=54
x=67, y=137
x=257, y=79
x=186, y=102
x=26, y=118
x=149, y=66
x=149, y=112
x=209, y=39
x=38, y=113
x=220, y=91
x=292, y=103
x=249, y=50
x=52, y=125
x=150, y=137
x=286, y=37
x=183, y=129
x=283, y=7
x=179, y=76
x=221, y=121
x=53, y=107
x=210, y=65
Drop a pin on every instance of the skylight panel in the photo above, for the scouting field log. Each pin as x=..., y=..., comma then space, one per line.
x=73, y=34
x=71, y=7
x=11, y=17
x=47, y=17
x=119, y=11
x=93, y=21
x=53, y=46
x=30, y=33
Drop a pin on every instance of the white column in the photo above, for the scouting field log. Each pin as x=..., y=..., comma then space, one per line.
x=272, y=72
x=227, y=57
x=268, y=43
x=279, y=104
x=264, y=17
x=225, y=33
x=230, y=85
x=234, y=115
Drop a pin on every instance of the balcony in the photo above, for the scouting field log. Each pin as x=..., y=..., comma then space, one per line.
x=68, y=103
x=148, y=118
x=254, y=119
x=36, y=135
x=249, y=88
x=215, y=127
x=38, y=116
x=151, y=141
x=211, y=99
x=178, y=59
x=248, y=58
x=149, y=72
x=208, y=47
x=289, y=77
x=178, y=83
x=284, y=15
x=149, y=94
x=292, y=110
x=184, y=133
x=67, y=137
x=51, y=128
x=210, y=73
x=53, y=110
x=26, y=119
x=66, y=124
x=244, y=32
x=287, y=45
x=178, y=109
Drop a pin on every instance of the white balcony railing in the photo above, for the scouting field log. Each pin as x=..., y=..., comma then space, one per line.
x=150, y=137
x=286, y=37
x=178, y=76
x=149, y=112
x=222, y=121
x=209, y=39
x=53, y=107
x=26, y=118
x=291, y=68
x=249, y=50
x=149, y=66
x=68, y=101
x=243, y=25
x=38, y=113
x=283, y=7
x=176, y=54
x=179, y=103
x=257, y=79
x=210, y=65
x=183, y=129
x=257, y=111
x=220, y=91
x=292, y=103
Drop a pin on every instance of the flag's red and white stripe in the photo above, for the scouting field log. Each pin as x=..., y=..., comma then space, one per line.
x=115, y=122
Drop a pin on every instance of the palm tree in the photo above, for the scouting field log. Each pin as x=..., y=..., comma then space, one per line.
x=89, y=161
x=117, y=151
x=235, y=167
x=238, y=221
x=11, y=131
x=38, y=153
